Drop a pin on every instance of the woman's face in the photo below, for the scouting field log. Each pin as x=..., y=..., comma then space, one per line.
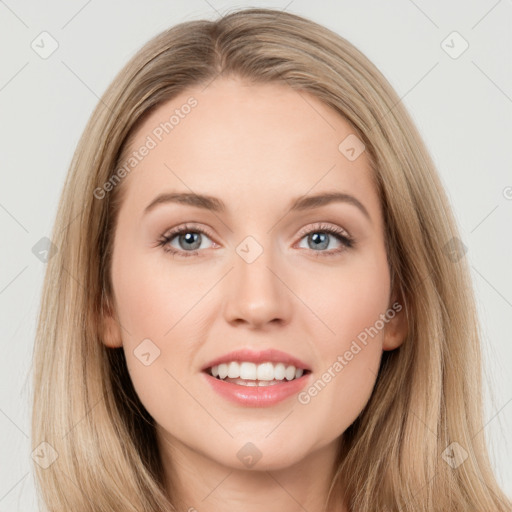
x=255, y=268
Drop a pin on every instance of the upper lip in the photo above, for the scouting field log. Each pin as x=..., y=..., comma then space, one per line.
x=262, y=356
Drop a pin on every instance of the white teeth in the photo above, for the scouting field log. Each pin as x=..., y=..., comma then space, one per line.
x=279, y=371
x=265, y=371
x=256, y=372
x=290, y=372
x=223, y=371
x=246, y=371
x=233, y=370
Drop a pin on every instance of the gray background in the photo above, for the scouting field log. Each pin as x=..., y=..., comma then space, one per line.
x=461, y=105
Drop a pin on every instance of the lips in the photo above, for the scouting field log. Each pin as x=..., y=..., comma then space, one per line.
x=262, y=356
x=257, y=396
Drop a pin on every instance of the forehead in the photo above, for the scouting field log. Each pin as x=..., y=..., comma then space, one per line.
x=234, y=138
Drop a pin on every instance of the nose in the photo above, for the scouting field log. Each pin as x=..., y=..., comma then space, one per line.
x=257, y=293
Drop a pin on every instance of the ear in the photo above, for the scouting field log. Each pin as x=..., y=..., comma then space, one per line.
x=396, y=328
x=110, y=330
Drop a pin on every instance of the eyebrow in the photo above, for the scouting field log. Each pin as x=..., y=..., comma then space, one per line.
x=216, y=205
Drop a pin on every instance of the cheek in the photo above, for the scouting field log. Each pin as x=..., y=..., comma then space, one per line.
x=152, y=298
x=344, y=383
x=339, y=394
x=351, y=306
x=153, y=305
x=350, y=302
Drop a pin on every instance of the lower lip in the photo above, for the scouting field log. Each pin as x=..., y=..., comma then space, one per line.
x=257, y=396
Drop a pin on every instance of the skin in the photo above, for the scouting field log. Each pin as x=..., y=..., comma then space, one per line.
x=256, y=147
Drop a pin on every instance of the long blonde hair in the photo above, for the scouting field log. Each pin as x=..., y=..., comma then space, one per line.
x=428, y=392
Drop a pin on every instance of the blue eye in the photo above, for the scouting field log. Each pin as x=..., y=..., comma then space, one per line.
x=320, y=239
x=190, y=238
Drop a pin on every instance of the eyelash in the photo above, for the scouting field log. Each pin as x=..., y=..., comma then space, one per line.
x=340, y=234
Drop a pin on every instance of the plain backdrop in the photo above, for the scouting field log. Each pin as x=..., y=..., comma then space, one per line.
x=460, y=98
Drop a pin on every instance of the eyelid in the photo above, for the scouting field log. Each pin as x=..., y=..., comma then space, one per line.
x=334, y=230
x=341, y=234
x=188, y=226
x=167, y=236
x=322, y=226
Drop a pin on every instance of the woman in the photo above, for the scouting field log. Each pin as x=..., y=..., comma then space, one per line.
x=318, y=347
